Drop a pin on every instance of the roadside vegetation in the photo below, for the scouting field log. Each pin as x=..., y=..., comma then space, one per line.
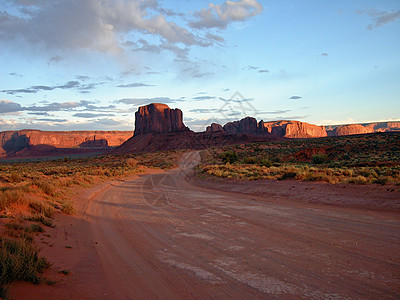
x=359, y=159
x=31, y=193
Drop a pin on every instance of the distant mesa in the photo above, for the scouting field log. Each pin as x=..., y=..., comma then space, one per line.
x=352, y=129
x=27, y=143
x=295, y=129
x=160, y=128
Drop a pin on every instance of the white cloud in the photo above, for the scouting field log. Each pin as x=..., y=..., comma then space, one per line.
x=220, y=16
x=90, y=24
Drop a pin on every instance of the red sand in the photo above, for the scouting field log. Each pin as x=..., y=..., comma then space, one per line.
x=162, y=236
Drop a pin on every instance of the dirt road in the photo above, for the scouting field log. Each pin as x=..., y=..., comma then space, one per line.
x=159, y=237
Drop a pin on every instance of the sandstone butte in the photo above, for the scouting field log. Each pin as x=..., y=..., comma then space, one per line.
x=158, y=118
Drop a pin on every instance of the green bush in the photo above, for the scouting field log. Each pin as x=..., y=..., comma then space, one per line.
x=229, y=157
x=319, y=158
x=265, y=162
x=288, y=175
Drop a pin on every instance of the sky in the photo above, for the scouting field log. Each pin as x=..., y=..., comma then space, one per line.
x=89, y=64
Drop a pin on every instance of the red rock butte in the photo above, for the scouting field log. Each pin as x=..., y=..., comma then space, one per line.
x=158, y=118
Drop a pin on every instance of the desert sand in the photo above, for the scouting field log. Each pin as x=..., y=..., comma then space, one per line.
x=167, y=235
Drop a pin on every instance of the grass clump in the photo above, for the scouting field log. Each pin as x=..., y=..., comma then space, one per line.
x=43, y=208
x=41, y=219
x=68, y=208
x=20, y=260
x=11, y=196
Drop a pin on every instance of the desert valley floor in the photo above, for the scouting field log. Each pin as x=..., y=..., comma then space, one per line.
x=161, y=235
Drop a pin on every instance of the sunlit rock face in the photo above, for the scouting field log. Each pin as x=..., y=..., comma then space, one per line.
x=295, y=129
x=158, y=118
x=14, y=141
x=352, y=129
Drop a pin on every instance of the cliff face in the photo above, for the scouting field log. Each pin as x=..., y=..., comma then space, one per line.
x=14, y=141
x=158, y=118
x=337, y=130
x=295, y=129
x=352, y=129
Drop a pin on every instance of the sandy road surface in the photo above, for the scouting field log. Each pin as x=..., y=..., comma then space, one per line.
x=159, y=237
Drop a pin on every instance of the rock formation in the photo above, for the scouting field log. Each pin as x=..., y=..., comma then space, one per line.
x=352, y=129
x=295, y=129
x=12, y=142
x=349, y=129
x=214, y=127
x=158, y=118
x=247, y=125
x=159, y=128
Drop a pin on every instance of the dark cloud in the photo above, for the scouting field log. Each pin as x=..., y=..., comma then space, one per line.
x=251, y=68
x=7, y=106
x=143, y=101
x=52, y=120
x=73, y=84
x=91, y=115
x=236, y=100
x=276, y=112
x=324, y=54
x=37, y=88
x=288, y=118
x=15, y=74
x=12, y=107
x=134, y=85
x=380, y=18
x=203, y=98
x=55, y=59
x=215, y=37
x=45, y=114
x=57, y=106
x=82, y=77
x=263, y=71
x=204, y=110
x=295, y=97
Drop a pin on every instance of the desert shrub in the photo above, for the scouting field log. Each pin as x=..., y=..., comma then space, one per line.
x=43, y=208
x=14, y=226
x=46, y=187
x=265, y=162
x=358, y=180
x=288, y=175
x=35, y=228
x=229, y=157
x=19, y=260
x=68, y=208
x=11, y=196
x=131, y=162
x=250, y=160
x=319, y=158
x=381, y=180
x=42, y=219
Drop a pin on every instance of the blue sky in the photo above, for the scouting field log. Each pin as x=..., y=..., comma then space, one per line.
x=88, y=64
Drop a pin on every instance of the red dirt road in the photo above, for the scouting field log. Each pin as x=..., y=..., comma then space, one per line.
x=160, y=237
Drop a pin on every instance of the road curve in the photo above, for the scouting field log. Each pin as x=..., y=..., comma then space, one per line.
x=159, y=237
